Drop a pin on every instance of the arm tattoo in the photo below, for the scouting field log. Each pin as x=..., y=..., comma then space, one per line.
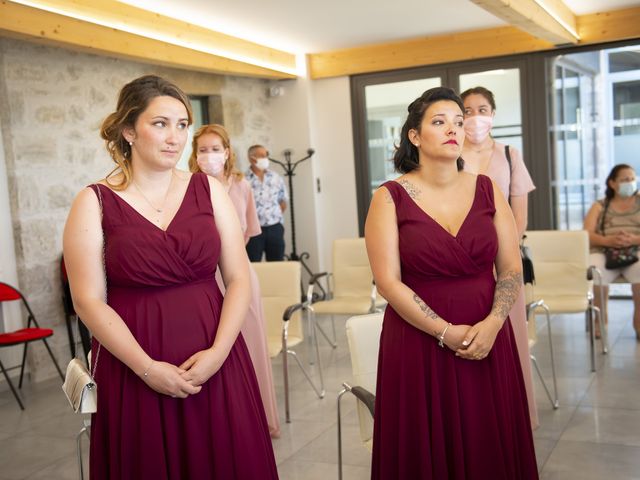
x=428, y=313
x=387, y=196
x=507, y=289
x=410, y=188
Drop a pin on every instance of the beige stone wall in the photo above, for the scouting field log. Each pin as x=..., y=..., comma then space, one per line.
x=52, y=102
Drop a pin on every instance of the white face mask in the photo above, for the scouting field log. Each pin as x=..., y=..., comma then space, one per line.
x=211, y=163
x=262, y=163
x=477, y=128
x=627, y=189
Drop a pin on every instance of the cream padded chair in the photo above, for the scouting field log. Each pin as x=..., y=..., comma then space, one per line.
x=563, y=277
x=363, y=336
x=351, y=286
x=280, y=291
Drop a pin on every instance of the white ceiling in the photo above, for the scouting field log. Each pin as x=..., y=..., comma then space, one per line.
x=306, y=26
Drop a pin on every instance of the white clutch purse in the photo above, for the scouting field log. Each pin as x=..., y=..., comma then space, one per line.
x=80, y=388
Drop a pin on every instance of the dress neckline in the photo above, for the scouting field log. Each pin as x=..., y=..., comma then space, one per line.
x=145, y=219
x=464, y=221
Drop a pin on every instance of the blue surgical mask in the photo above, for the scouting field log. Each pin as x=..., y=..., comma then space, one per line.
x=627, y=189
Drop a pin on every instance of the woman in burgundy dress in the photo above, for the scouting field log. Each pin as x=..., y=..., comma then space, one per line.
x=450, y=399
x=212, y=154
x=177, y=394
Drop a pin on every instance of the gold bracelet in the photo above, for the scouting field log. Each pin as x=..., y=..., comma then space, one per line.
x=441, y=336
x=146, y=372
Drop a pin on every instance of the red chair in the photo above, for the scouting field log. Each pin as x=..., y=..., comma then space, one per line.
x=23, y=336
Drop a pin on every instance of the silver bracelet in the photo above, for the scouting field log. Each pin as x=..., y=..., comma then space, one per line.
x=441, y=336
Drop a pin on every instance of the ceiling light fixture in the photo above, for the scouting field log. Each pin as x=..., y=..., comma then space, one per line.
x=558, y=19
x=155, y=35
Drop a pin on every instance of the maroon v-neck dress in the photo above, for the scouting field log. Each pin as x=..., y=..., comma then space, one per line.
x=162, y=284
x=438, y=416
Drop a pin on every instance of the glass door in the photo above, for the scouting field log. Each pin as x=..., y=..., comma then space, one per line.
x=577, y=171
x=386, y=110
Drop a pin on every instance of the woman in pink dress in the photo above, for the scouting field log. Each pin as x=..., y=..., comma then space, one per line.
x=212, y=154
x=482, y=154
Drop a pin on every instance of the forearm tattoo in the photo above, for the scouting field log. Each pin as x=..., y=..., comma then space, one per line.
x=507, y=289
x=428, y=313
x=411, y=189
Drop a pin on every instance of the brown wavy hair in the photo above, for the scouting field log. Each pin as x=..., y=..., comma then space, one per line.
x=216, y=129
x=133, y=99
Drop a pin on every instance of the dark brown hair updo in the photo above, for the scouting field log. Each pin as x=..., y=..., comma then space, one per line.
x=134, y=98
x=406, y=157
x=485, y=92
x=613, y=174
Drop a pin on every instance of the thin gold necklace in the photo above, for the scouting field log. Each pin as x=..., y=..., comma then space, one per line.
x=159, y=210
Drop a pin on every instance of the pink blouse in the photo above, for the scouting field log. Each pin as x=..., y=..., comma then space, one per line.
x=242, y=197
x=512, y=185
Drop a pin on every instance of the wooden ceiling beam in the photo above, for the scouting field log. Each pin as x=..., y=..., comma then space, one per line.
x=601, y=27
x=549, y=20
x=35, y=24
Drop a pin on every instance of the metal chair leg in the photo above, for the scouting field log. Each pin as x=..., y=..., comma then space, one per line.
x=55, y=362
x=13, y=390
x=24, y=361
x=592, y=338
x=555, y=403
x=340, y=395
x=83, y=430
x=285, y=372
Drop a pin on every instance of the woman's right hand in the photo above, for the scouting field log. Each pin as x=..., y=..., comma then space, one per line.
x=167, y=379
x=455, y=335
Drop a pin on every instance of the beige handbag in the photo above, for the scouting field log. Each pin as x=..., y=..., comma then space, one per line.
x=79, y=385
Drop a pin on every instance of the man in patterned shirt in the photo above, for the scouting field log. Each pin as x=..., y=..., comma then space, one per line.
x=271, y=201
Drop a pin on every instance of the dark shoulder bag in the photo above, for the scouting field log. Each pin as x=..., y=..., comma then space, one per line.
x=528, y=275
x=617, y=257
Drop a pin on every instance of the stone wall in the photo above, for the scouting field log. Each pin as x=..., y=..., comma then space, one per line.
x=52, y=102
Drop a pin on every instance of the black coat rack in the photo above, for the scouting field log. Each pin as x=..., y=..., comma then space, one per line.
x=289, y=168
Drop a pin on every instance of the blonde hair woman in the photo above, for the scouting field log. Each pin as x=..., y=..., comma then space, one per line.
x=212, y=154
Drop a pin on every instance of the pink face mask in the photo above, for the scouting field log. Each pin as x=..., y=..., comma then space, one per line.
x=477, y=128
x=211, y=163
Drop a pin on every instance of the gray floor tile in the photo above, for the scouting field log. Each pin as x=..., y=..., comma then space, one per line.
x=604, y=425
x=592, y=461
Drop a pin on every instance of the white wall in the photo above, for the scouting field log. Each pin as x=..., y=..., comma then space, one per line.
x=332, y=136
x=317, y=114
x=290, y=129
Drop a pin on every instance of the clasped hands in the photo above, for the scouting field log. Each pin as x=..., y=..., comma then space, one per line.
x=473, y=342
x=186, y=379
x=622, y=239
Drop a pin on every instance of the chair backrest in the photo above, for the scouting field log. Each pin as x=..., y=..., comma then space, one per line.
x=363, y=336
x=352, y=275
x=8, y=293
x=560, y=261
x=279, y=289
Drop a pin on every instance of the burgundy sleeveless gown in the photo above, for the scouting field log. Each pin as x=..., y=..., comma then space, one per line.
x=438, y=416
x=162, y=284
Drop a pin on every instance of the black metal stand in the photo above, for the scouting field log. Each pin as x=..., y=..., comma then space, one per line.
x=289, y=168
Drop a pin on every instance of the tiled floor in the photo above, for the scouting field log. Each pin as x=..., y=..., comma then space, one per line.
x=595, y=434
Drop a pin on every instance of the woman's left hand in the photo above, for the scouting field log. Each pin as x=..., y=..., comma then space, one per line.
x=479, y=339
x=201, y=366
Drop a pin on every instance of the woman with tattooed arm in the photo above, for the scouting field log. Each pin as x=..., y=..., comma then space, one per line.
x=450, y=399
